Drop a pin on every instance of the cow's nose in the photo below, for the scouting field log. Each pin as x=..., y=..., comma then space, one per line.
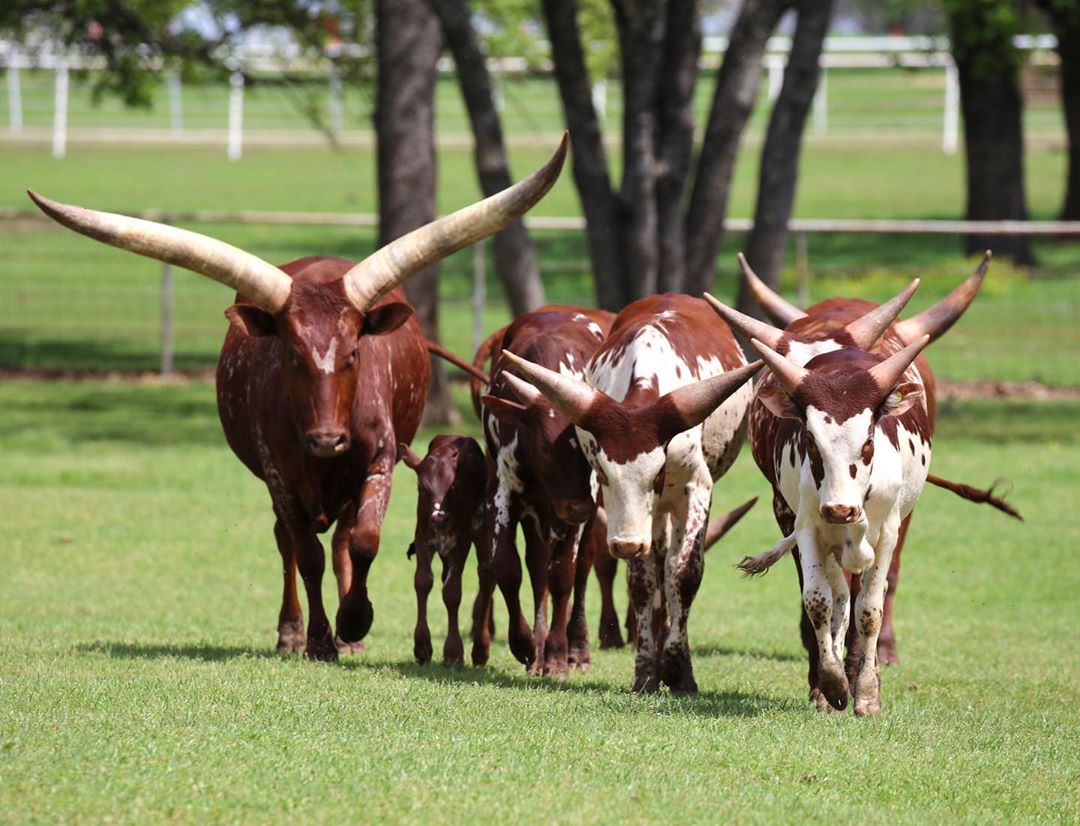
x=327, y=442
x=841, y=514
x=575, y=511
x=627, y=548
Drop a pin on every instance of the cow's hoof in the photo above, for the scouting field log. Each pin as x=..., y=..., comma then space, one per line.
x=819, y=701
x=348, y=647
x=521, y=646
x=676, y=671
x=610, y=637
x=886, y=652
x=645, y=684
x=422, y=650
x=481, y=653
x=453, y=653
x=354, y=621
x=834, y=685
x=322, y=650
x=868, y=694
x=579, y=658
x=291, y=638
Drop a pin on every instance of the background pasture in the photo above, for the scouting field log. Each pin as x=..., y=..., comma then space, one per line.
x=137, y=674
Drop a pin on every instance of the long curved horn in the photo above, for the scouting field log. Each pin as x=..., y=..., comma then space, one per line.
x=387, y=267
x=749, y=326
x=781, y=311
x=690, y=405
x=255, y=279
x=934, y=321
x=887, y=373
x=788, y=373
x=571, y=397
x=869, y=328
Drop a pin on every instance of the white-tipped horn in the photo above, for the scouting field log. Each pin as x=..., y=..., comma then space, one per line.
x=749, y=326
x=934, y=321
x=387, y=267
x=255, y=279
x=571, y=397
x=781, y=311
x=870, y=327
x=888, y=372
x=788, y=373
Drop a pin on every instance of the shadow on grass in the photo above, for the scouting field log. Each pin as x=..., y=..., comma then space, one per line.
x=194, y=651
x=728, y=651
x=703, y=704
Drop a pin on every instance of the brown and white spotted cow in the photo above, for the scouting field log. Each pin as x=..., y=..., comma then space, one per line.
x=538, y=477
x=661, y=416
x=449, y=518
x=322, y=372
x=842, y=428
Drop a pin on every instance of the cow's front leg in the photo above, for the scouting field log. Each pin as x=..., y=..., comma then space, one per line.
x=482, y=618
x=453, y=565
x=343, y=570
x=507, y=569
x=561, y=574
x=295, y=531
x=355, y=612
x=818, y=574
x=291, y=638
x=887, y=654
x=684, y=565
x=423, y=580
x=537, y=557
x=869, y=610
x=577, y=632
x=641, y=578
x=606, y=566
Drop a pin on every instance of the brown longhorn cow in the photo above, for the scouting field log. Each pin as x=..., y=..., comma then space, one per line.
x=322, y=373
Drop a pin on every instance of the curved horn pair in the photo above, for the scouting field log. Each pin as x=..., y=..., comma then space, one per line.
x=885, y=373
x=864, y=331
x=269, y=286
x=935, y=321
x=684, y=407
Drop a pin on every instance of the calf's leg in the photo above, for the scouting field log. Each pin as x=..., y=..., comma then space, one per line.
x=453, y=565
x=423, y=580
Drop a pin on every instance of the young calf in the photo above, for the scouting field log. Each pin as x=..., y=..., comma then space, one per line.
x=449, y=518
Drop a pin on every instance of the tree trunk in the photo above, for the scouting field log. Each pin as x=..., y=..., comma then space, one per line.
x=603, y=224
x=515, y=258
x=408, y=45
x=736, y=92
x=676, y=141
x=993, y=109
x=1066, y=23
x=783, y=143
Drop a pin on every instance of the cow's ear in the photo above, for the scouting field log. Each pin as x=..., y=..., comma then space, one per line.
x=780, y=404
x=378, y=321
x=251, y=321
x=900, y=400
x=507, y=411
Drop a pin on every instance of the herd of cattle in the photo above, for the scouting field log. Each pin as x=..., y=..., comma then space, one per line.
x=605, y=435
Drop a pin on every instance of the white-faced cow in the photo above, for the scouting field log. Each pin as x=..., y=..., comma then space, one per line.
x=322, y=372
x=842, y=427
x=538, y=477
x=660, y=416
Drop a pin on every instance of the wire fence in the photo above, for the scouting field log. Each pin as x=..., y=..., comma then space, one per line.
x=71, y=306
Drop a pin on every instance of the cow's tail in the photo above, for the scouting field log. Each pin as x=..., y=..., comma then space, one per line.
x=485, y=352
x=475, y=373
x=752, y=565
x=722, y=524
x=972, y=494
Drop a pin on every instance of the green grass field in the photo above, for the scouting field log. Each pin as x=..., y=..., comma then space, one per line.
x=138, y=684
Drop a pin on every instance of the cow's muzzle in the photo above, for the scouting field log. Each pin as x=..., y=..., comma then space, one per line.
x=841, y=514
x=327, y=442
x=628, y=548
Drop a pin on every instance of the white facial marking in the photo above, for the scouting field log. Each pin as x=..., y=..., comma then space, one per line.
x=327, y=361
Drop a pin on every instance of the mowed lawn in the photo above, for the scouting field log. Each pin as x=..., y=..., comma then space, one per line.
x=138, y=683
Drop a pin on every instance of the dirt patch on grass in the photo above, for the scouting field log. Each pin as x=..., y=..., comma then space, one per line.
x=990, y=389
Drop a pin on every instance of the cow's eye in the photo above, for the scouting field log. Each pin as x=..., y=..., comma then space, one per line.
x=350, y=360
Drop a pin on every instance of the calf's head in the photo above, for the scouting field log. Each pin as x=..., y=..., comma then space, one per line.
x=318, y=321
x=450, y=476
x=840, y=398
x=625, y=444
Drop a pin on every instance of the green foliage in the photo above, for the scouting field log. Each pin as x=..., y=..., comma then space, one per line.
x=982, y=33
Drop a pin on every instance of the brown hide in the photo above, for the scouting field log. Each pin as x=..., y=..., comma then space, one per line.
x=551, y=501
x=270, y=393
x=449, y=517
